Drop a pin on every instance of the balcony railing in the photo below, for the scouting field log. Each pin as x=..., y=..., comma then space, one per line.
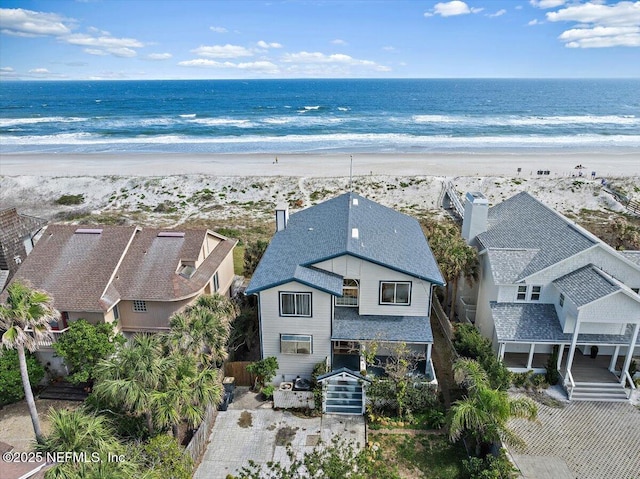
x=48, y=342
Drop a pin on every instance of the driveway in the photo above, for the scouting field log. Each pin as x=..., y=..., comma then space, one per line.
x=261, y=435
x=589, y=440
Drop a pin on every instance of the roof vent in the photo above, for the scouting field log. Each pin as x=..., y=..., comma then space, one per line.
x=354, y=233
x=354, y=202
x=171, y=234
x=88, y=231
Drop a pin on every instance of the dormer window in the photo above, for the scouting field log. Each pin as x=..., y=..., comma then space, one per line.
x=187, y=270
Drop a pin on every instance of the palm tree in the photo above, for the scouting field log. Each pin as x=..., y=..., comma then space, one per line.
x=132, y=375
x=462, y=261
x=25, y=318
x=484, y=412
x=203, y=329
x=186, y=392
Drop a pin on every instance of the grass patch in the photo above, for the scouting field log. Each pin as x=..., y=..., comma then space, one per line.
x=425, y=456
x=69, y=200
x=238, y=260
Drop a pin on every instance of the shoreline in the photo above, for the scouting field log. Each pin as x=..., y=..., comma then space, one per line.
x=500, y=163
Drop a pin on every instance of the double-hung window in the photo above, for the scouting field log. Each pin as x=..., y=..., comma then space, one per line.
x=531, y=293
x=295, y=344
x=395, y=292
x=349, y=293
x=295, y=304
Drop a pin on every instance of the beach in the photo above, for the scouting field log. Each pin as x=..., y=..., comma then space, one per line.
x=485, y=163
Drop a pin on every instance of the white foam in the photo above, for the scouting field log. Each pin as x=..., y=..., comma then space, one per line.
x=5, y=122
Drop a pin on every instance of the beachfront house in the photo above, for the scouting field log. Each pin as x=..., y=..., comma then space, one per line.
x=133, y=276
x=549, y=285
x=17, y=237
x=337, y=276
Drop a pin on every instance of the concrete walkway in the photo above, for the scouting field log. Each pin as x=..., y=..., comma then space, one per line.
x=586, y=440
x=261, y=435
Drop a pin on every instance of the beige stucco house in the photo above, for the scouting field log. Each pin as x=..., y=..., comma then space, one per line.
x=134, y=276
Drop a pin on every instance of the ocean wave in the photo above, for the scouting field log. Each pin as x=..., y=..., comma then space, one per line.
x=188, y=115
x=6, y=122
x=240, y=123
x=531, y=121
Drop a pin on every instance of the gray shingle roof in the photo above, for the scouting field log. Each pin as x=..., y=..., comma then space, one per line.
x=348, y=325
x=528, y=322
x=522, y=222
x=508, y=264
x=585, y=285
x=325, y=231
x=633, y=256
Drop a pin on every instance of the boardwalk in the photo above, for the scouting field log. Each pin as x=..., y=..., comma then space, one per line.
x=594, y=440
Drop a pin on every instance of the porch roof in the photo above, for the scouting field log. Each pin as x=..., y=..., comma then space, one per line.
x=528, y=323
x=348, y=325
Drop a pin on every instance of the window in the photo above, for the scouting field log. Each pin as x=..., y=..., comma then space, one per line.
x=349, y=293
x=61, y=323
x=116, y=312
x=561, y=301
x=522, y=293
x=295, y=304
x=535, y=293
x=295, y=344
x=216, y=282
x=395, y=292
x=636, y=290
x=139, y=306
x=187, y=271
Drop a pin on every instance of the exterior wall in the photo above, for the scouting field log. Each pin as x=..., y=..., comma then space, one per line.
x=487, y=291
x=93, y=318
x=617, y=308
x=369, y=276
x=156, y=316
x=272, y=325
x=225, y=275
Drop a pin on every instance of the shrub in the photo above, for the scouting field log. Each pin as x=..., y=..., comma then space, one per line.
x=264, y=371
x=69, y=200
x=10, y=380
x=490, y=467
x=267, y=391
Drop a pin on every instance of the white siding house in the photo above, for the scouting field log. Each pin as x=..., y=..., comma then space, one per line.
x=339, y=275
x=547, y=284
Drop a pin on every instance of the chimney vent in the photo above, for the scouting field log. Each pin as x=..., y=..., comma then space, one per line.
x=282, y=217
x=476, y=213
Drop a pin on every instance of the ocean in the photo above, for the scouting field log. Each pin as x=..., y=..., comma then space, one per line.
x=319, y=116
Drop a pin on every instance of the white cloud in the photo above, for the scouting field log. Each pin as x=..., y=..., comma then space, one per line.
x=450, y=9
x=6, y=70
x=318, y=58
x=27, y=23
x=102, y=41
x=259, y=66
x=218, y=29
x=338, y=41
x=499, y=13
x=159, y=56
x=95, y=51
x=388, y=48
x=535, y=21
x=222, y=51
x=39, y=71
x=600, y=25
x=547, y=3
x=265, y=45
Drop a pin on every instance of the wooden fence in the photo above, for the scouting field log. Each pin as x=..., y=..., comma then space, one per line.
x=238, y=370
x=198, y=443
x=445, y=324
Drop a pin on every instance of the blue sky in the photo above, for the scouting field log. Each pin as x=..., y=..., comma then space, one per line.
x=194, y=39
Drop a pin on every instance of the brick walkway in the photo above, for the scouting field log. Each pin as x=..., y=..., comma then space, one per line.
x=596, y=440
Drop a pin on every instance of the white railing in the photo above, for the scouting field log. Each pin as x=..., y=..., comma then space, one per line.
x=454, y=199
x=55, y=334
x=571, y=385
x=632, y=385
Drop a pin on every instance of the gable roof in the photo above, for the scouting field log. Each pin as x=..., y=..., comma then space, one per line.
x=348, y=224
x=586, y=285
x=633, y=256
x=14, y=227
x=90, y=269
x=524, y=223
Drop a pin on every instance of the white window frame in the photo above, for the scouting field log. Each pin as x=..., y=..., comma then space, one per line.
x=346, y=300
x=395, y=293
x=521, y=294
x=534, y=293
x=139, y=306
x=296, y=313
x=216, y=282
x=297, y=339
x=527, y=292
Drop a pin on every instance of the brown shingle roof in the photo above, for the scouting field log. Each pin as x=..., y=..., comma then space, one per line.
x=92, y=272
x=75, y=269
x=13, y=228
x=149, y=269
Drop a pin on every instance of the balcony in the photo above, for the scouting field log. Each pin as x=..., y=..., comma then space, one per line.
x=48, y=343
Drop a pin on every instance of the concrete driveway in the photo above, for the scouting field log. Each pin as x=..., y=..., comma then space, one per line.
x=261, y=435
x=586, y=440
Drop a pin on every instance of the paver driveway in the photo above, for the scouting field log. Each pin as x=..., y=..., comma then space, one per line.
x=259, y=434
x=595, y=440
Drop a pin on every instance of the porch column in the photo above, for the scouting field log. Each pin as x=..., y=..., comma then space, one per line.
x=572, y=348
x=614, y=359
x=501, y=350
x=429, y=346
x=632, y=346
x=560, y=354
x=531, y=350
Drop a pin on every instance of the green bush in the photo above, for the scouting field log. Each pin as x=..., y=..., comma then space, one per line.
x=267, y=392
x=264, y=371
x=10, y=380
x=490, y=467
x=68, y=200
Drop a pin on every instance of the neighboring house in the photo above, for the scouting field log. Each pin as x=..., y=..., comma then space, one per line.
x=135, y=276
x=338, y=275
x=17, y=233
x=546, y=282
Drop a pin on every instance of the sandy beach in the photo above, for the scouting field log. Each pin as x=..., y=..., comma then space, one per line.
x=499, y=163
